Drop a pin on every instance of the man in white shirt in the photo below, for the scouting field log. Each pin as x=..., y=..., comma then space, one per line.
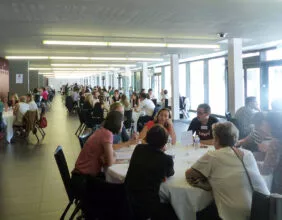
x=31, y=102
x=147, y=106
x=20, y=109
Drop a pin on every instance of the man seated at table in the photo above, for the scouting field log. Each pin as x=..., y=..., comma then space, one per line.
x=19, y=111
x=245, y=114
x=149, y=167
x=202, y=124
x=146, y=108
x=122, y=139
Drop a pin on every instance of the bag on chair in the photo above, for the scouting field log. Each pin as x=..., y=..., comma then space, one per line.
x=43, y=122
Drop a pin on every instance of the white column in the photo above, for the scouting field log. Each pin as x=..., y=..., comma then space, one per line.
x=235, y=75
x=107, y=81
x=145, y=79
x=115, y=75
x=174, y=86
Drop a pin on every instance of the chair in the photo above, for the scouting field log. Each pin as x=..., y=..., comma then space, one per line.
x=64, y=171
x=82, y=125
x=69, y=103
x=154, y=101
x=228, y=116
x=182, y=106
x=83, y=138
x=166, y=103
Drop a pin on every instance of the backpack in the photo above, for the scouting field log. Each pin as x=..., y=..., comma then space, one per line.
x=43, y=122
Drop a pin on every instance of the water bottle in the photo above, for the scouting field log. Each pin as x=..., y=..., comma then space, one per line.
x=196, y=142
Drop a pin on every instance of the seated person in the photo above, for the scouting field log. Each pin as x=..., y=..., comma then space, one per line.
x=122, y=139
x=6, y=104
x=270, y=159
x=124, y=101
x=116, y=97
x=19, y=111
x=223, y=171
x=135, y=102
x=245, y=114
x=14, y=100
x=149, y=167
x=202, y=124
x=31, y=102
x=88, y=103
x=257, y=136
x=163, y=118
x=97, y=152
x=99, y=108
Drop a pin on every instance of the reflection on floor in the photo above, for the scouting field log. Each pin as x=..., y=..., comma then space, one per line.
x=30, y=183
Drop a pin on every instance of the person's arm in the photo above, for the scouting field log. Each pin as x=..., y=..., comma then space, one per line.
x=207, y=142
x=170, y=171
x=109, y=158
x=171, y=132
x=16, y=109
x=125, y=144
x=143, y=133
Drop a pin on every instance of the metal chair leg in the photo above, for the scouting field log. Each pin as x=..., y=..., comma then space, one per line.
x=75, y=211
x=65, y=211
x=78, y=129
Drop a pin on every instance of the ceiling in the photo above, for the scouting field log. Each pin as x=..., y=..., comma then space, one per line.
x=26, y=23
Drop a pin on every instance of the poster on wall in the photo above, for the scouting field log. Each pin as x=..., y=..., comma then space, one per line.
x=19, y=78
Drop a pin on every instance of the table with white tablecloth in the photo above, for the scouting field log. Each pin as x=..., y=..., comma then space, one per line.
x=8, y=119
x=185, y=199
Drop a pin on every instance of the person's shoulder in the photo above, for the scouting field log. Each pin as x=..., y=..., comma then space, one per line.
x=213, y=119
x=195, y=121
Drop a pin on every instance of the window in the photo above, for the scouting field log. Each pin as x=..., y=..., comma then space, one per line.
x=275, y=54
x=168, y=80
x=217, y=86
x=182, y=79
x=253, y=83
x=196, y=83
x=157, y=86
x=274, y=80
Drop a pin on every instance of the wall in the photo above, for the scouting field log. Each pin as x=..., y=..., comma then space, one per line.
x=19, y=67
x=4, y=77
x=33, y=79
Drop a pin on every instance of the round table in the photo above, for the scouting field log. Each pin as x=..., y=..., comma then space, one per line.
x=8, y=119
x=185, y=199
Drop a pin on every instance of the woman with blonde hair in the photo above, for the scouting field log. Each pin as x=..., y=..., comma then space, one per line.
x=88, y=103
x=124, y=101
x=163, y=118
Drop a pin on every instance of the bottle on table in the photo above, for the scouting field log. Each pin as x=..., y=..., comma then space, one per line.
x=196, y=142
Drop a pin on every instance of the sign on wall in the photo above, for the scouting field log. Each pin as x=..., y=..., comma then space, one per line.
x=19, y=78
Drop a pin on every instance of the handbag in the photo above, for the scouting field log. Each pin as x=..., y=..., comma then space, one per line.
x=264, y=207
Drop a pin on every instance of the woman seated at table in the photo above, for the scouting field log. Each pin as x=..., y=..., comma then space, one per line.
x=149, y=167
x=269, y=158
x=116, y=97
x=97, y=153
x=88, y=103
x=31, y=102
x=19, y=111
x=124, y=101
x=135, y=101
x=100, y=108
x=13, y=100
x=223, y=171
x=163, y=118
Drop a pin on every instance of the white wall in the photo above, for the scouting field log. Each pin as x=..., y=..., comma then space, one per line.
x=57, y=83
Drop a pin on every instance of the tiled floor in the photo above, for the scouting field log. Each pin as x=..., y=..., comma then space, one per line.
x=30, y=183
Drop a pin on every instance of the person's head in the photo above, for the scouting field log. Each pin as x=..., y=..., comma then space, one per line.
x=96, y=94
x=29, y=97
x=150, y=91
x=165, y=92
x=35, y=90
x=5, y=99
x=101, y=99
x=251, y=102
x=260, y=122
x=117, y=106
x=114, y=122
x=15, y=96
x=89, y=98
x=225, y=134
x=116, y=93
x=123, y=98
x=23, y=99
x=162, y=116
x=134, y=96
x=157, y=136
x=203, y=112
x=143, y=91
x=143, y=96
x=43, y=89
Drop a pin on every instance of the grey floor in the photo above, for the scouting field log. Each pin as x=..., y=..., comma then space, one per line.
x=30, y=183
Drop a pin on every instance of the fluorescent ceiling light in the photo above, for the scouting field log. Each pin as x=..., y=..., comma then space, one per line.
x=196, y=46
x=108, y=58
x=26, y=57
x=75, y=43
x=68, y=58
x=144, y=59
x=90, y=65
x=128, y=44
x=87, y=69
x=40, y=68
x=48, y=73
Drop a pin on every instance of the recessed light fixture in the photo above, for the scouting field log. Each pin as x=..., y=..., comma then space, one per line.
x=75, y=43
x=26, y=57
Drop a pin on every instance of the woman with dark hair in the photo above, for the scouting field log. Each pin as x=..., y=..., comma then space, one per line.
x=116, y=97
x=163, y=118
x=135, y=101
x=97, y=152
x=149, y=167
x=124, y=101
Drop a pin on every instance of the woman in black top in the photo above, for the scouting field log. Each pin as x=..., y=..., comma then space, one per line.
x=116, y=97
x=145, y=176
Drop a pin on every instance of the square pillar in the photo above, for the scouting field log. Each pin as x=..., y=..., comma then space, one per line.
x=175, y=86
x=235, y=75
x=145, y=79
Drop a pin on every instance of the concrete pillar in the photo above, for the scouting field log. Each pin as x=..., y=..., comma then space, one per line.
x=33, y=79
x=145, y=79
x=163, y=78
x=19, y=67
x=235, y=75
x=175, y=86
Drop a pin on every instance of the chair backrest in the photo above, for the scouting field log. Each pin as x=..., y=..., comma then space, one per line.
x=166, y=103
x=155, y=101
x=69, y=103
x=64, y=171
x=31, y=118
x=228, y=116
x=83, y=138
x=128, y=119
x=182, y=103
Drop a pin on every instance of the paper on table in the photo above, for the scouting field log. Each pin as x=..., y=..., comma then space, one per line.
x=186, y=138
x=123, y=155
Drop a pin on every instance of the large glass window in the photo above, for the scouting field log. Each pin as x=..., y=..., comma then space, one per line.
x=182, y=79
x=217, y=86
x=253, y=83
x=274, y=87
x=196, y=83
x=275, y=54
x=168, y=80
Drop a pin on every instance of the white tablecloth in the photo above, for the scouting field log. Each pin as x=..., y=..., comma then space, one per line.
x=8, y=119
x=185, y=199
x=135, y=117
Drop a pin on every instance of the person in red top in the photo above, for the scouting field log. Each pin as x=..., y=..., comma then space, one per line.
x=163, y=118
x=44, y=94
